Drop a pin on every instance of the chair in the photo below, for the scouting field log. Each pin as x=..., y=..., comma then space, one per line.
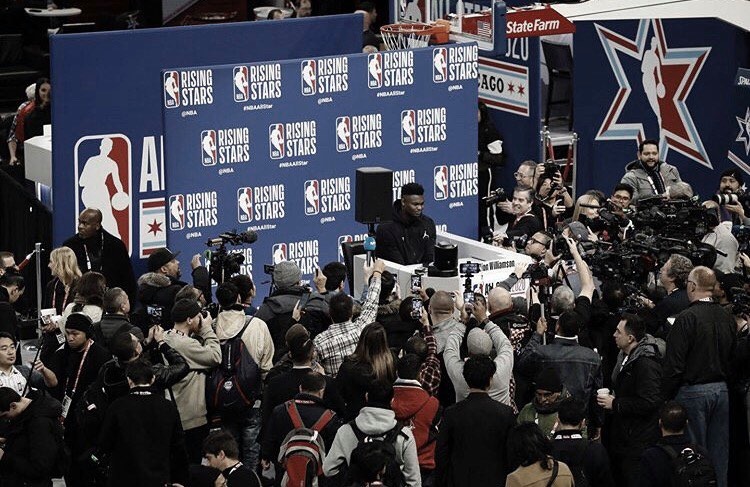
x=560, y=65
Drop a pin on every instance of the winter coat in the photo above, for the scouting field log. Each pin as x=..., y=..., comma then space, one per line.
x=472, y=445
x=156, y=289
x=635, y=412
x=638, y=178
x=415, y=408
x=256, y=337
x=33, y=443
x=201, y=356
x=374, y=421
x=276, y=312
x=406, y=240
x=144, y=441
x=111, y=324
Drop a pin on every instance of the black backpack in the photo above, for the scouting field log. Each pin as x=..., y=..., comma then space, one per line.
x=233, y=387
x=394, y=476
x=690, y=468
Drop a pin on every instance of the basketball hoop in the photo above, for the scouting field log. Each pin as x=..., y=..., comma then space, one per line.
x=413, y=35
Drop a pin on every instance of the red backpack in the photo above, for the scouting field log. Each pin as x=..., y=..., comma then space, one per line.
x=303, y=449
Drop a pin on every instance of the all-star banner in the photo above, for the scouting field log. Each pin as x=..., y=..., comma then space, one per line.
x=657, y=79
x=273, y=147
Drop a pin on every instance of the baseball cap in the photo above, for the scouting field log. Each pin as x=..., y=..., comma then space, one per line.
x=159, y=258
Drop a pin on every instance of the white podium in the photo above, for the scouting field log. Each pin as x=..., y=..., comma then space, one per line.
x=496, y=265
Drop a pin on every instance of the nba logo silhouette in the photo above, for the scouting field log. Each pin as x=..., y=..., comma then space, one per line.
x=441, y=182
x=171, y=89
x=309, y=77
x=176, y=212
x=312, y=197
x=278, y=253
x=239, y=76
x=208, y=147
x=408, y=128
x=439, y=65
x=374, y=70
x=342, y=240
x=343, y=134
x=276, y=140
x=244, y=205
x=103, y=180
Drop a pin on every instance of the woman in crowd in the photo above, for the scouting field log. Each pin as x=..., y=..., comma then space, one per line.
x=88, y=297
x=42, y=113
x=371, y=361
x=532, y=452
x=58, y=294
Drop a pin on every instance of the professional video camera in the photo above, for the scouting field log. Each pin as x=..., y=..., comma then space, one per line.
x=682, y=219
x=495, y=196
x=518, y=240
x=224, y=263
x=538, y=274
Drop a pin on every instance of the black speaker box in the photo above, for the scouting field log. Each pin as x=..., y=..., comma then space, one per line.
x=374, y=195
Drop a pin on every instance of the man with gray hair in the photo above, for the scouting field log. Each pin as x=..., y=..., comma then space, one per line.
x=479, y=342
x=673, y=277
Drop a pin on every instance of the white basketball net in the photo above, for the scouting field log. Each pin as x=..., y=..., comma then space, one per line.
x=405, y=36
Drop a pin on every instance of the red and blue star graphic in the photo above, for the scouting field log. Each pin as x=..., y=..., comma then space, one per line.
x=667, y=77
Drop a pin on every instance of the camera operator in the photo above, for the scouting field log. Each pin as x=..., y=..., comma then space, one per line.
x=552, y=197
x=731, y=183
x=621, y=197
x=673, y=278
x=524, y=222
x=720, y=237
x=537, y=245
x=647, y=175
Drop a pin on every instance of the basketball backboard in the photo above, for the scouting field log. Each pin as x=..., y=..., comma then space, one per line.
x=482, y=21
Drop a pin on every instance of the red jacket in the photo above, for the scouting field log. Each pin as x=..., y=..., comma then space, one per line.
x=415, y=408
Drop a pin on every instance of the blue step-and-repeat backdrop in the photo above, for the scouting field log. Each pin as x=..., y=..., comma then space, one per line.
x=107, y=100
x=273, y=147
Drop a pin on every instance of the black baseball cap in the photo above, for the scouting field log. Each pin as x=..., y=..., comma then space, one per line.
x=159, y=258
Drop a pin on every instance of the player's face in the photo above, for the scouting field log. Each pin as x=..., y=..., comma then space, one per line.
x=650, y=155
x=728, y=185
x=413, y=204
x=88, y=225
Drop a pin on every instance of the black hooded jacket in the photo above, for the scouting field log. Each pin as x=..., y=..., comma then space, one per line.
x=406, y=240
x=33, y=444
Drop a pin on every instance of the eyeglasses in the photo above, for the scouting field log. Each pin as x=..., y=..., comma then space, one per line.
x=532, y=240
x=520, y=175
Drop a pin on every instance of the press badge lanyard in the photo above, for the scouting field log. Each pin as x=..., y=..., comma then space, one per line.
x=68, y=398
x=67, y=291
x=88, y=259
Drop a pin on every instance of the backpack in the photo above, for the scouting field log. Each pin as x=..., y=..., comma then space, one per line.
x=303, y=449
x=98, y=336
x=690, y=468
x=92, y=408
x=394, y=476
x=231, y=388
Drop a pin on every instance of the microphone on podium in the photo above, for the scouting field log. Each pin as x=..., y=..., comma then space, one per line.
x=370, y=248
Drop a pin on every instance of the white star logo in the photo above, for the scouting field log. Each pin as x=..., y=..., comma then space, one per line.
x=744, y=135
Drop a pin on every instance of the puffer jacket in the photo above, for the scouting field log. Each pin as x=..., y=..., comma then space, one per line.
x=637, y=177
x=406, y=240
x=637, y=388
x=415, y=408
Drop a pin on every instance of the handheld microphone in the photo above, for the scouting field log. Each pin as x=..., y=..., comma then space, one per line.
x=370, y=248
